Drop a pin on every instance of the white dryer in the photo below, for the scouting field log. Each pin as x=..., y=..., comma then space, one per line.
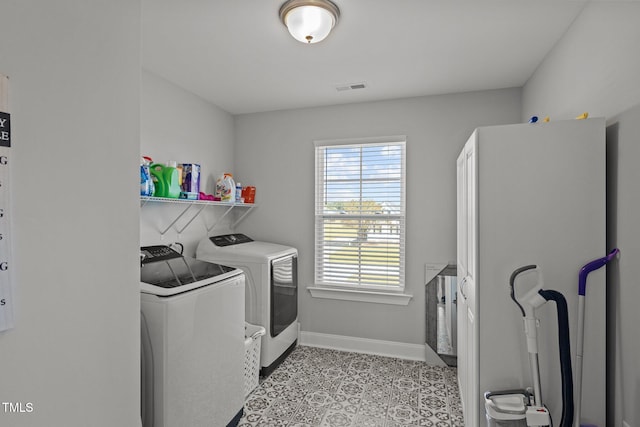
x=271, y=294
x=192, y=327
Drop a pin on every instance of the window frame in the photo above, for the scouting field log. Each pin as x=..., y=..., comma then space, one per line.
x=383, y=293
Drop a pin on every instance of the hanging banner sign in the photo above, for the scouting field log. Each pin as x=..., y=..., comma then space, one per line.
x=6, y=282
x=5, y=129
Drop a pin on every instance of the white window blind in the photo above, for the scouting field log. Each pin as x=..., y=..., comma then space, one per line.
x=360, y=213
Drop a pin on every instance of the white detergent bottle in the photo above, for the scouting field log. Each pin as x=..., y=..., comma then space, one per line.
x=228, y=189
x=217, y=194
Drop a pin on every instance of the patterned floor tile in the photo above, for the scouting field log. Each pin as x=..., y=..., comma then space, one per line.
x=317, y=387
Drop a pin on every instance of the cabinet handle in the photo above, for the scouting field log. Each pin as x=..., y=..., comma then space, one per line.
x=462, y=285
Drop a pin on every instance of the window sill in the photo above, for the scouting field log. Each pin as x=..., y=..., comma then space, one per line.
x=361, y=295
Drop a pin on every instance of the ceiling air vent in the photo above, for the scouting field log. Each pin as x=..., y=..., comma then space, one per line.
x=352, y=86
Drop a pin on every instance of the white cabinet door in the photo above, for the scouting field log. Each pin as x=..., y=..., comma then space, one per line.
x=468, y=361
x=461, y=258
x=471, y=218
x=470, y=289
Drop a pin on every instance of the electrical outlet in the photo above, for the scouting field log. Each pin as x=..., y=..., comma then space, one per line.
x=625, y=424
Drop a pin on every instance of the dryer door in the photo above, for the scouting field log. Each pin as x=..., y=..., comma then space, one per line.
x=284, y=293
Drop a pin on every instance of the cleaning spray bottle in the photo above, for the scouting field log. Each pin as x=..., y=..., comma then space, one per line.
x=146, y=183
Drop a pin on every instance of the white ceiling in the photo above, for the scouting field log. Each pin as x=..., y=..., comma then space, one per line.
x=238, y=55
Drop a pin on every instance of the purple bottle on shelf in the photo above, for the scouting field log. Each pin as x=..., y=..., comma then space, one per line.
x=190, y=181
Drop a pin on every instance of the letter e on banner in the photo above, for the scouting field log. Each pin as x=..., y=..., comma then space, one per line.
x=5, y=129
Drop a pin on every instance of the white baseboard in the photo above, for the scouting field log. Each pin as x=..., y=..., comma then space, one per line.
x=400, y=350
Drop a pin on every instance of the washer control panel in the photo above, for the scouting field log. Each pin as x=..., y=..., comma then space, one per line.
x=230, y=239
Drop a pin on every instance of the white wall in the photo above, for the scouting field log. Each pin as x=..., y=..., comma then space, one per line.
x=74, y=99
x=178, y=125
x=595, y=68
x=274, y=151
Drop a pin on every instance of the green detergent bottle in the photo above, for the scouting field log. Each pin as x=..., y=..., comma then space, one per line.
x=165, y=179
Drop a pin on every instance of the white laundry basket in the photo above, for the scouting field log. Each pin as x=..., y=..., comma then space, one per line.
x=252, y=339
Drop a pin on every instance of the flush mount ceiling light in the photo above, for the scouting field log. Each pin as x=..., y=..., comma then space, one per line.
x=309, y=21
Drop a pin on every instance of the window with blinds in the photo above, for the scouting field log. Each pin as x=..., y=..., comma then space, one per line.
x=360, y=213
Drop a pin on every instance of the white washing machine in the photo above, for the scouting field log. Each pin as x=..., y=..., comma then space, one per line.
x=271, y=294
x=192, y=330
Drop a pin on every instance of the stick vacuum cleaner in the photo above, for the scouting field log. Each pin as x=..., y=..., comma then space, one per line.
x=582, y=290
x=526, y=291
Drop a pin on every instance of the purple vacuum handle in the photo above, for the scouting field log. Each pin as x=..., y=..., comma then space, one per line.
x=593, y=265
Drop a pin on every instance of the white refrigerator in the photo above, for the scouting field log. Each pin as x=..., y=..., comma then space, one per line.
x=529, y=194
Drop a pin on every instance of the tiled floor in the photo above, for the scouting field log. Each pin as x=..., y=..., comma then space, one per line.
x=320, y=387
